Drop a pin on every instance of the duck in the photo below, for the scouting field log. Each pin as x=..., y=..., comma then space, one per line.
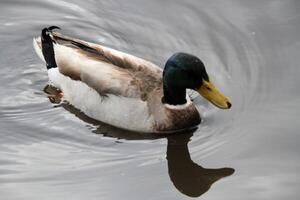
x=123, y=90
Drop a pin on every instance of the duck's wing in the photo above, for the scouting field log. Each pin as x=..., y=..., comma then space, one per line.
x=106, y=70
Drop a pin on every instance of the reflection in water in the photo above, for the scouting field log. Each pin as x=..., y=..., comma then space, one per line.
x=187, y=176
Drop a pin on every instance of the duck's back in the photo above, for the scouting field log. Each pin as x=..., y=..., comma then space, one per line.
x=102, y=68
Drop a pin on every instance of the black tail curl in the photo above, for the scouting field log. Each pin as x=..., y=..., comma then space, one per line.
x=47, y=46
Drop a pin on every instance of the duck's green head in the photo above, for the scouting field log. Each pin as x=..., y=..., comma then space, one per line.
x=184, y=71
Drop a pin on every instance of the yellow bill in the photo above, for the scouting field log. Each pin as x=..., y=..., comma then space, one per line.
x=212, y=94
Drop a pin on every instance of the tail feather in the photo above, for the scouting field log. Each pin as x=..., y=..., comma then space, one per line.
x=47, y=47
x=38, y=47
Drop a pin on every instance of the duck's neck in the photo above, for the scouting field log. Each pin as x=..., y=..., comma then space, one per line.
x=174, y=96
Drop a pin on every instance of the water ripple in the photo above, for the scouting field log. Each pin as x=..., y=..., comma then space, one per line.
x=58, y=145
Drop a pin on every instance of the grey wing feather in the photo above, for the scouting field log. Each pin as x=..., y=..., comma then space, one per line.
x=118, y=73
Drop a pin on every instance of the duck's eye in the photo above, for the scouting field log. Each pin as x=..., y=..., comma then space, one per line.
x=208, y=88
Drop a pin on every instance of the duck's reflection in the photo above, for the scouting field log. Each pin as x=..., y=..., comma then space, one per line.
x=188, y=177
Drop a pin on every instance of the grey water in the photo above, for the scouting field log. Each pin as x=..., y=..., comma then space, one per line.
x=50, y=150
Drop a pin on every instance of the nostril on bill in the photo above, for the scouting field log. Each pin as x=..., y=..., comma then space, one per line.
x=228, y=104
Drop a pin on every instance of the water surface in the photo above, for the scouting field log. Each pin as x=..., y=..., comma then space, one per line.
x=251, y=50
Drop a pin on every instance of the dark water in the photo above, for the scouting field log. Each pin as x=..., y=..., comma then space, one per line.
x=251, y=50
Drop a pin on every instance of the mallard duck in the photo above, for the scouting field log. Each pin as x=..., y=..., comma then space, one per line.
x=123, y=90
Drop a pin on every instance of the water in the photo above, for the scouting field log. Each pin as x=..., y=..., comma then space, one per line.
x=251, y=50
